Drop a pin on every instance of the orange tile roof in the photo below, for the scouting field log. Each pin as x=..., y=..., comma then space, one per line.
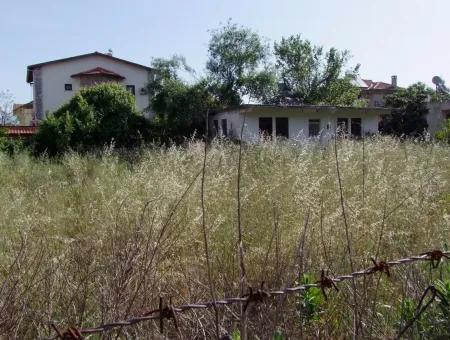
x=99, y=71
x=20, y=130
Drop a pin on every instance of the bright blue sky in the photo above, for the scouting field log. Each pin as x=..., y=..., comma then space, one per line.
x=404, y=37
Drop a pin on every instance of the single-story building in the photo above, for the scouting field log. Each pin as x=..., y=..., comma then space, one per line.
x=24, y=113
x=294, y=122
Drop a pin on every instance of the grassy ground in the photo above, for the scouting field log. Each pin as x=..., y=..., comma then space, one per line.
x=97, y=239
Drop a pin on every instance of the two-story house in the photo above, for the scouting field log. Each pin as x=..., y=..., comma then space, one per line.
x=376, y=91
x=55, y=82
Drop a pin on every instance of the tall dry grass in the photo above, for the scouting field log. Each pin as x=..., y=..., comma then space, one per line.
x=89, y=240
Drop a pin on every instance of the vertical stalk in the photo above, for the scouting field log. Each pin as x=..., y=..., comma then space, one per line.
x=205, y=234
x=242, y=279
x=349, y=242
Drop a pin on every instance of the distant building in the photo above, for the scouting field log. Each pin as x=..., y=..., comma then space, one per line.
x=55, y=82
x=437, y=114
x=294, y=121
x=376, y=91
x=24, y=113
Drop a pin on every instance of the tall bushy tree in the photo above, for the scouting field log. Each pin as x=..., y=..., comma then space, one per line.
x=94, y=117
x=409, y=111
x=309, y=75
x=180, y=107
x=237, y=65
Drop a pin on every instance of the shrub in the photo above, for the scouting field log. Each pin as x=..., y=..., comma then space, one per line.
x=9, y=145
x=96, y=116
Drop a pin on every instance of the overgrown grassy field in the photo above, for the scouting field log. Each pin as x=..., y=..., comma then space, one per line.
x=89, y=240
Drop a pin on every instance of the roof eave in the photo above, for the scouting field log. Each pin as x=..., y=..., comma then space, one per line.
x=30, y=67
x=29, y=78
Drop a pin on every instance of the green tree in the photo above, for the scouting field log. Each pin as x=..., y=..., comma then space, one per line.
x=309, y=75
x=94, y=117
x=180, y=107
x=237, y=65
x=409, y=111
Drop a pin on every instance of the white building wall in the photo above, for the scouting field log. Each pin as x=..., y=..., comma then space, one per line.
x=54, y=76
x=437, y=113
x=298, y=123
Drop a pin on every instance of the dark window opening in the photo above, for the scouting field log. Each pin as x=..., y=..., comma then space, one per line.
x=68, y=87
x=342, y=125
x=313, y=127
x=265, y=126
x=131, y=89
x=282, y=127
x=224, y=127
x=216, y=127
x=355, y=127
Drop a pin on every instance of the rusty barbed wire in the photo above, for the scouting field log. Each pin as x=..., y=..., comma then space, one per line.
x=325, y=282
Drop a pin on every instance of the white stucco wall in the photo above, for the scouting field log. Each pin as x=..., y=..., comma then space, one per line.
x=54, y=76
x=437, y=113
x=298, y=121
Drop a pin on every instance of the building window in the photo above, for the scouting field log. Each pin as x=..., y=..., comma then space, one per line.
x=131, y=89
x=265, y=126
x=224, y=127
x=355, y=127
x=342, y=124
x=68, y=87
x=376, y=103
x=216, y=127
x=313, y=127
x=282, y=127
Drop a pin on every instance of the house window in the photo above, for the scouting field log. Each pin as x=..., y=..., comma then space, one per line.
x=224, y=127
x=313, y=127
x=342, y=124
x=265, y=126
x=216, y=127
x=131, y=89
x=68, y=87
x=355, y=127
x=282, y=127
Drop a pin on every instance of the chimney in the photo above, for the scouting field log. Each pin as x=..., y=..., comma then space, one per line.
x=394, y=81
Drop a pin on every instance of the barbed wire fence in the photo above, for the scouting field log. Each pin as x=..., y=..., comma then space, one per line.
x=261, y=294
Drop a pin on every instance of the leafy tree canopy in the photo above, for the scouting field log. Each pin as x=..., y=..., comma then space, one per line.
x=237, y=65
x=180, y=107
x=409, y=110
x=94, y=117
x=309, y=75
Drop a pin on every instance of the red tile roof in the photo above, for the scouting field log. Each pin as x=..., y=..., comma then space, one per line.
x=377, y=85
x=16, y=131
x=99, y=71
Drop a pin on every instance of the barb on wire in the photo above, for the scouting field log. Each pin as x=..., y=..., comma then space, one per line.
x=380, y=266
x=259, y=296
x=72, y=333
x=325, y=282
x=435, y=257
